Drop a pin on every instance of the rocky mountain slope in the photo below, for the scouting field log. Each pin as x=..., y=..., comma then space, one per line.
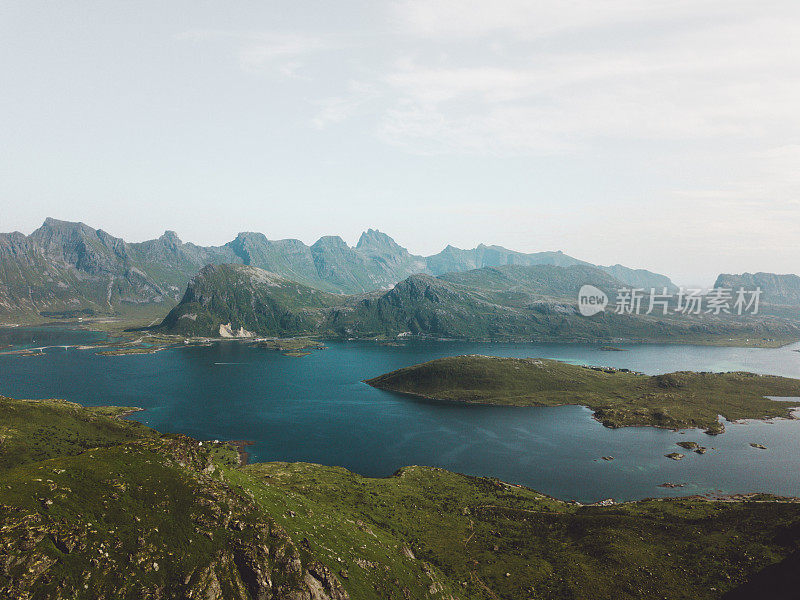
x=233, y=300
x=535, y=303
x=776, y=289
x=71, y=269
x=511, y=303
x=453, y=259
x=97, y=508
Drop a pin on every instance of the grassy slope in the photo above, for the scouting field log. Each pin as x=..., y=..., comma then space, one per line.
x=478, y=530
x=36, y=430
x=164, y=516
x=675, y=400
x=153, y=517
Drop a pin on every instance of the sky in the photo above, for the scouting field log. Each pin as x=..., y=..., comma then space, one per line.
x=661, y=134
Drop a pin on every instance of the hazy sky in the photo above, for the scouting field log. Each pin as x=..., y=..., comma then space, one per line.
x=658, y=133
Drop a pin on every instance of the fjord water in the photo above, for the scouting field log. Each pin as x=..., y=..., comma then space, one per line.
x=317, y=409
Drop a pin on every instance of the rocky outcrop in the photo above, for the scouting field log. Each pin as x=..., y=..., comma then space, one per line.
x=776, y=289
x=233, y=550
x=241, y=301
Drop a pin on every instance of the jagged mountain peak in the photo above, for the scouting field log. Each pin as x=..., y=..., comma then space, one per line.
x=374, y=239
x=250, y=235
x=52, y=222
x=125, y=274
x=418, y=285
x=170, y=239
x=55, y=233
x=330, y=242
x=56, y=226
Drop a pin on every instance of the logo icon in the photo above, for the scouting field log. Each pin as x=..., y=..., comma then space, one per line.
x=591, y=300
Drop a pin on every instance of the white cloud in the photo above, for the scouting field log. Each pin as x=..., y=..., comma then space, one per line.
x=529, y=20
x=716, y=79
x=259, y=51
x=266, y=49
x=766, y=183
x=339, y=108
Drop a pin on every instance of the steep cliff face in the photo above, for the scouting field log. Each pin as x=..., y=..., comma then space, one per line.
x=30, y=280
x=392, y=262
x=342, y=266
x=291, y=258
x=776, y=289
x=170, y=262
x=70, y=268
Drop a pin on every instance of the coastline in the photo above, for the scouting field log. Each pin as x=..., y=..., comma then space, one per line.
x=241, y=449
x=122, y=329
x=127, y=413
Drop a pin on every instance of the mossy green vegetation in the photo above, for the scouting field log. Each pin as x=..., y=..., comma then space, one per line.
x=124, y=512
x=129, y=351
x=34, y=430
x=495, y=540
x=619, y=398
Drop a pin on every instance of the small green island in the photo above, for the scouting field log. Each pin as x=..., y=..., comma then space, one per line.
x=618, y=397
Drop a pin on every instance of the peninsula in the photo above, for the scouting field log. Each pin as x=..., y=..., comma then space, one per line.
x=619, y=398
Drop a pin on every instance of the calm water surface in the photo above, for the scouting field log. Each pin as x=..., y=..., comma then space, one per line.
x=316, y=409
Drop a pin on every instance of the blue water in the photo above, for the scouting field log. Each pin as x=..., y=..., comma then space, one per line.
x=316, y=409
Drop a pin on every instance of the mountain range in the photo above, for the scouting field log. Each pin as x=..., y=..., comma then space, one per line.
x=506, y=303
x=70, y=269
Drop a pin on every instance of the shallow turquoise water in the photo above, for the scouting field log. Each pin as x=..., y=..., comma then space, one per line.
x=316, y=409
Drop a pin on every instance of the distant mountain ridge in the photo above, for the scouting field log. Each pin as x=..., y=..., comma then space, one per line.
x=775, y=288
x=506, y=303
x=66, y=268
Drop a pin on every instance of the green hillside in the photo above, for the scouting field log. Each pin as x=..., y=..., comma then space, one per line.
x=249, y=298
x=93, y=507
x=533, y=304
x=510, y=303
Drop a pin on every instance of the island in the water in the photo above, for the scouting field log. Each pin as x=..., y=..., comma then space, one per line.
x=618, y=397
x=95, y=506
